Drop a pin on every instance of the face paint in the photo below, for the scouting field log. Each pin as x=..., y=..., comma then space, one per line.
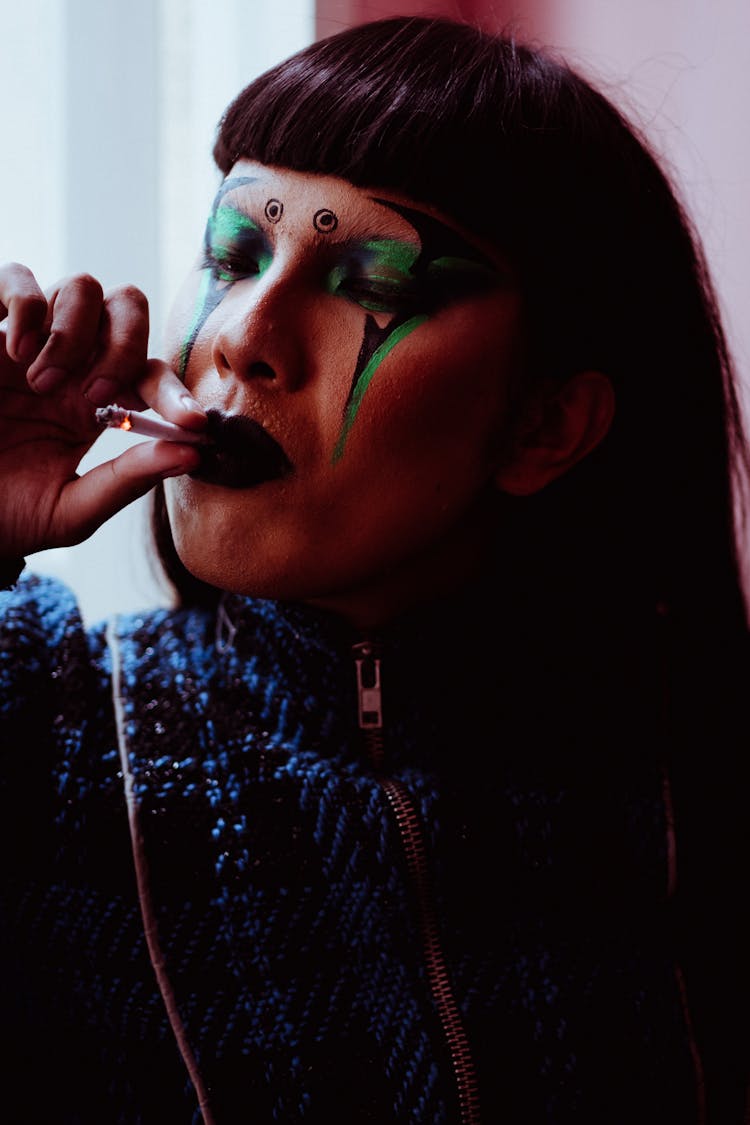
x=414, y=282
x=448, y=268
x=382, y=291
x=399, y=283
x=223, y=224
x=273, y=210
x=325, y=221
x=376, y=345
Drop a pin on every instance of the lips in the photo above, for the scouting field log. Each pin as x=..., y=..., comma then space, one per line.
x=243, y=453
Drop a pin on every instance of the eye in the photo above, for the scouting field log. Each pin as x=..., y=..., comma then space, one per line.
x=380, y=295
x=376, y=293
x=227, y=265
x=234, y=246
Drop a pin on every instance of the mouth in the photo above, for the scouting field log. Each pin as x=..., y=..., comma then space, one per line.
x=242, y=455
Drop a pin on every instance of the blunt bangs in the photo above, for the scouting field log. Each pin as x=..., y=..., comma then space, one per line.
x=409, y=105
x=507, y=141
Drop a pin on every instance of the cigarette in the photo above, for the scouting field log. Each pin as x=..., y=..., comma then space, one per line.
x=132, y=421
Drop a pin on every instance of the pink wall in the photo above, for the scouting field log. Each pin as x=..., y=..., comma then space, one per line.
x=527, y=18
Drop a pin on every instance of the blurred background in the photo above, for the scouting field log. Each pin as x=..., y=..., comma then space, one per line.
x=110, y=110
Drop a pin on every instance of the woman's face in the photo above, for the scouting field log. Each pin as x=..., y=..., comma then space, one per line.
x=377, y=345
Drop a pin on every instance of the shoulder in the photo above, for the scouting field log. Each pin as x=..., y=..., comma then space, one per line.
x=37, y=608
x=47, y=655
x=47, y=649
x=37, y=617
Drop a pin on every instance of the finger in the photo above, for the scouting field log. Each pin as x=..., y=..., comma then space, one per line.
x=163, y=390
x=88, y=502
x=26, y=307
x=122, y=347
x=75, y=312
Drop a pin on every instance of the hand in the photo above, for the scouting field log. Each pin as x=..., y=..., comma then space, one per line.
x=62, y=354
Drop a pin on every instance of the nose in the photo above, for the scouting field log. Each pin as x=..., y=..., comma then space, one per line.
x=264, y=332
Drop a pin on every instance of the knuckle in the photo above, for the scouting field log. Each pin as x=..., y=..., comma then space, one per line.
x=20, y=282
x=130, y=295
x=85, y=285
x=17, y=269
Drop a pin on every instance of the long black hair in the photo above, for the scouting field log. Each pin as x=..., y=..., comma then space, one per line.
x=624, y=573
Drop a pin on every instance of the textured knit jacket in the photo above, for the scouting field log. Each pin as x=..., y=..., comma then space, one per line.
x=232, y=895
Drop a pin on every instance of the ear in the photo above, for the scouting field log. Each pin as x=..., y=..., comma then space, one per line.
x=559, y=428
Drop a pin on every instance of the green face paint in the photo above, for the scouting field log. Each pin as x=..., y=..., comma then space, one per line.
x=404, y=281
x=199, y=317
x=222, y=222
x=366, y=373
x=411, y=282
x=235, y=246
x=376, y=275
x=392, y=257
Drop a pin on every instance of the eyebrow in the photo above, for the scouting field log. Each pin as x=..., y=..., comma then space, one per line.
x=437, y=239
x=400, y=254
x=234, y=219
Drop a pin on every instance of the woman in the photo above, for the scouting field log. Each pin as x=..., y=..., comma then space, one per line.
x=411, y=808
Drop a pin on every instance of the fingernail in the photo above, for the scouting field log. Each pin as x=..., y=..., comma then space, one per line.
x=190, y=404
x=29, y=347
x=102, y=392
x=48, y=379
x=180, y=470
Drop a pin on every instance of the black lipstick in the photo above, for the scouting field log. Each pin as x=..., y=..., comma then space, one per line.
x=241, y=453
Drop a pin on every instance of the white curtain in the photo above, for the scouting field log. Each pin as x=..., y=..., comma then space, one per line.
x=109, y=113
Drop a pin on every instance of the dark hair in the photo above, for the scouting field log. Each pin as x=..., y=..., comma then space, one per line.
x=519, y=148
x=627, y=633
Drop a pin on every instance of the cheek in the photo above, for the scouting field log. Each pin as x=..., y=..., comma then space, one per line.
x=446, y=386
x=197, y=528
x=332, y=336
x=180, y=319
x=334, y=340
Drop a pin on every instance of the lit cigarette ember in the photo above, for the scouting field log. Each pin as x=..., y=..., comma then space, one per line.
x=132, y=421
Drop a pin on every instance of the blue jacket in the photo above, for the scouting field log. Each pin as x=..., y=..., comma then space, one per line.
x=261, y=873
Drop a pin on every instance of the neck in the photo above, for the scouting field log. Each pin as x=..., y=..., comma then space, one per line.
x=456, y=563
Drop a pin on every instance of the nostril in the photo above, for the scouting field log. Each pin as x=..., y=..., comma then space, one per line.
x=261, y=370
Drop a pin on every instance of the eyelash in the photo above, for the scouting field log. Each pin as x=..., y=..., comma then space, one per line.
x=229, y=267
x=374, y=296
x=377, y=296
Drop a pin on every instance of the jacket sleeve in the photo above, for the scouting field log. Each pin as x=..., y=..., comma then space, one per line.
x=45, y=675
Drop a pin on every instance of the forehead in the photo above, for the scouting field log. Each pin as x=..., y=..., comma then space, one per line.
x=331, y=208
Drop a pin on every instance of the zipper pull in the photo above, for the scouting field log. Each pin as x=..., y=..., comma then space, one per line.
x=369, y=695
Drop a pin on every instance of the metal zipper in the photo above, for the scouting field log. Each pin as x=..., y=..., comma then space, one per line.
x=370, y=708
x=370, y=700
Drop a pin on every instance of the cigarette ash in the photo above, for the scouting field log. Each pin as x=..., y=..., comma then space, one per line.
x=113, y=415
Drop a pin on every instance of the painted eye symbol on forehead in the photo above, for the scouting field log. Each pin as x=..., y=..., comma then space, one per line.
x=325, y=220
x=274, y=210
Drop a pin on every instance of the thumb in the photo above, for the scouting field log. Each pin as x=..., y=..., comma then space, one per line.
x=92, y=499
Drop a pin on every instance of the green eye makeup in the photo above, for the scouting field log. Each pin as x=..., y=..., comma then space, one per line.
x=411, y=282
x=398, y=283
x=212, y=286
x=235, y=246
